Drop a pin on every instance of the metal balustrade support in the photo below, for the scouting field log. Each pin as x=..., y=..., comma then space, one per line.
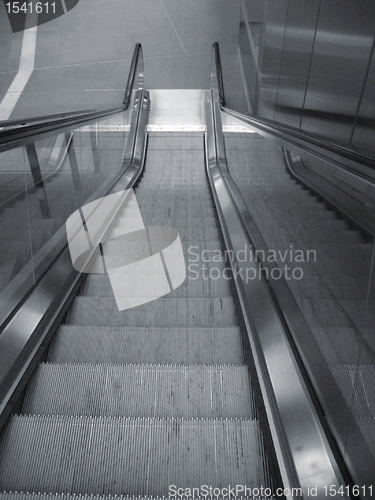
x=73, y=163
x=95, y=151
x=36, y=173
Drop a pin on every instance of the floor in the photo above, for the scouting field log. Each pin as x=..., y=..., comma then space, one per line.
x=82, y=58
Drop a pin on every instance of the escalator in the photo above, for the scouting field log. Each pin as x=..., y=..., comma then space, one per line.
x=205, y=391
x=162, y=389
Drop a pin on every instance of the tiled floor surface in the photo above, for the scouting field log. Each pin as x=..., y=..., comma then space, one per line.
x=82, y=58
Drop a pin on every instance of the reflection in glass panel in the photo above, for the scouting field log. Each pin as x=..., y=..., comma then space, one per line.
x=15, y=182
x=360, y=377
x=327, y=263
x=41, y=184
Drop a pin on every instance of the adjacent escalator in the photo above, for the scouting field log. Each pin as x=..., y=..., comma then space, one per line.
x=325, y=260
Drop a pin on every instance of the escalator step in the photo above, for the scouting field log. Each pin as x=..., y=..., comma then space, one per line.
x=283, y=213
x=163, y=391
x=191, y=233
x=174, y=141
x=199, y=234
x=100, y=311
x=193, y=183
x=188, y=213
x=184, y=346
x=197, y=195
x=357, y=384
x=199, y=283
x=178, y=223
x=129, y=456
x=335, y=225
x=192, y=248
x=185, y=204
x=322, y=235
x=367, y=426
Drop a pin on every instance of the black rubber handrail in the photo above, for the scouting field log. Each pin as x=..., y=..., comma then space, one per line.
x=219, y=74
x=311, y=143
x=132, y=74
x=25, y=121
x=19, y=136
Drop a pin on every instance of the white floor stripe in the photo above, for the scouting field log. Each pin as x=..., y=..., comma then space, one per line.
x=170, y=20
x=25, y=70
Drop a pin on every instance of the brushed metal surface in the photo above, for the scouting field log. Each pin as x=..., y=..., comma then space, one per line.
x=270, y=56
x=338, y=68
x=295, y=61
x=303, y=450
x=363, y=133
x=349, y=438
x=315, y=74
x=176, y=110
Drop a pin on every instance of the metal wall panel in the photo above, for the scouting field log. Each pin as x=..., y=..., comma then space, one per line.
x=270, y=56
x=363, y=136
x=338, y=68
x=255, y=10
x=296, y=58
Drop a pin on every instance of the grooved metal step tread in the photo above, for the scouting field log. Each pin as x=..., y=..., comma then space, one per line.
x=167, y=142
x=193, y=187
x=160, y=203
x=102, y=311
x=184, y=185
x=178, y=223
x=83, y=344
x=189, y=213
x=357, y=384
x=168, y=160
x=120, y=456
x=322, y=235
x=321, y=224
x=193, y=234
x=140, y=391
x=204, y=280
x=185, y=181
x=287, y=214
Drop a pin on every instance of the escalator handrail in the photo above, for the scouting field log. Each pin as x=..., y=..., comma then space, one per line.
x=137, y=59
x=45, y=118
x=31, y=324
x=217, y=78
x=351, y=455
x=313, y=144
x=15, y=137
